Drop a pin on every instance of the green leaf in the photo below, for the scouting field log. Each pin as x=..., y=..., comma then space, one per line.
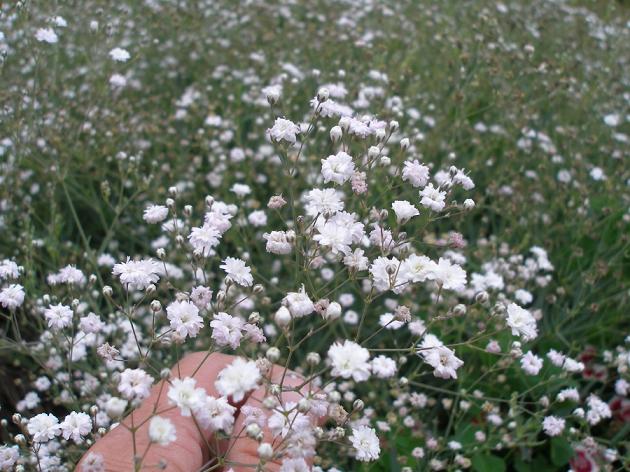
x=561, y=451
x=488, y=463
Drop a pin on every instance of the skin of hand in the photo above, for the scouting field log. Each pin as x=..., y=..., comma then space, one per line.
x=190, y=451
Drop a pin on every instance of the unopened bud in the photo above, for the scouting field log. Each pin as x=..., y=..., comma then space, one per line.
x=404, y=144
x=459, y=310
x=273, y=354
x=336, y=133
x=312, y=358
x=323, y=94
x=393, y=125
x=282, y=317
x=265, y=451
x=108, y=291
x=156, y=306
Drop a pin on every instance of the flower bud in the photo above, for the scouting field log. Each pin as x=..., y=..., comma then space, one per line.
x=254, y=318
x=336, y=133
x=188, y=209
x=265, y=451
x=161, y=253
x=252, y=430
x=259, y=289
x=151, y=289
x=358, y=405
x=393, y=125
x=459, y=310
x=373, y=152
x=282, y=317
x=156, y=306
x=312, y=358
x=323, y=94
x=333, y=311
x=209, y=201
x=469, y=204
x=304, y=405
x=482, y=297
x=108, y=291
x=273, y=354
x=404, y=144
x=385, y=161
x=20, y=440
x=172, y=191
x=344, y=123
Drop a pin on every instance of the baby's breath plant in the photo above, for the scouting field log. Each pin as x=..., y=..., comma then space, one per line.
x=397, y=230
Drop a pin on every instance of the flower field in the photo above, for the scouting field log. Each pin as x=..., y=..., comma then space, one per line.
x=327, y=235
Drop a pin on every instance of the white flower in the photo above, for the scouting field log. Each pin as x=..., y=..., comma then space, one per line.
x=337, y=168
x=335, y=236
x=204, y=239
x=184, y=318
x=241, y=190
x=417, y=269
x=91, y=324
x=365, y=443
x=383, y=367
x=135, y=384
x=284, y=130
x=415, y=173
x=238, y=271
x=46, y=35
x=184, y=394
x=76, y=426
x=137, y=275
x=350, y=360
x=356, y=260
x=384, y=273
x=553, y=426
x=404, y=210
x=162, y=431
x=43, y=427
x=295, y=465
x=12, y=296
x=226, y=330
x=119, y=55
x=201, y=296
x=237, y=379
x=298, y=303
x=387, y=320
x=449, y=276
x=568, y=394
x=531, y=363
x=432, y=198
x=216, y=414
x=155, y=214
x=9, y=270
x=257, y=218
x=58, y=316
x=324, y=202
x=440, y=357
x=278, y=242
x=9, y=455
x=521, y=322
x=597, y=410
x=67, y=275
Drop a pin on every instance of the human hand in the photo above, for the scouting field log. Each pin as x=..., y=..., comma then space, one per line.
x=193, y=449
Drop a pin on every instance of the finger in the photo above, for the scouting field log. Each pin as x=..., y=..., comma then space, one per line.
x=131, y=439
x=243, y=450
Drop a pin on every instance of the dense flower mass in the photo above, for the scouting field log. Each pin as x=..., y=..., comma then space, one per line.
x=314, y=236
